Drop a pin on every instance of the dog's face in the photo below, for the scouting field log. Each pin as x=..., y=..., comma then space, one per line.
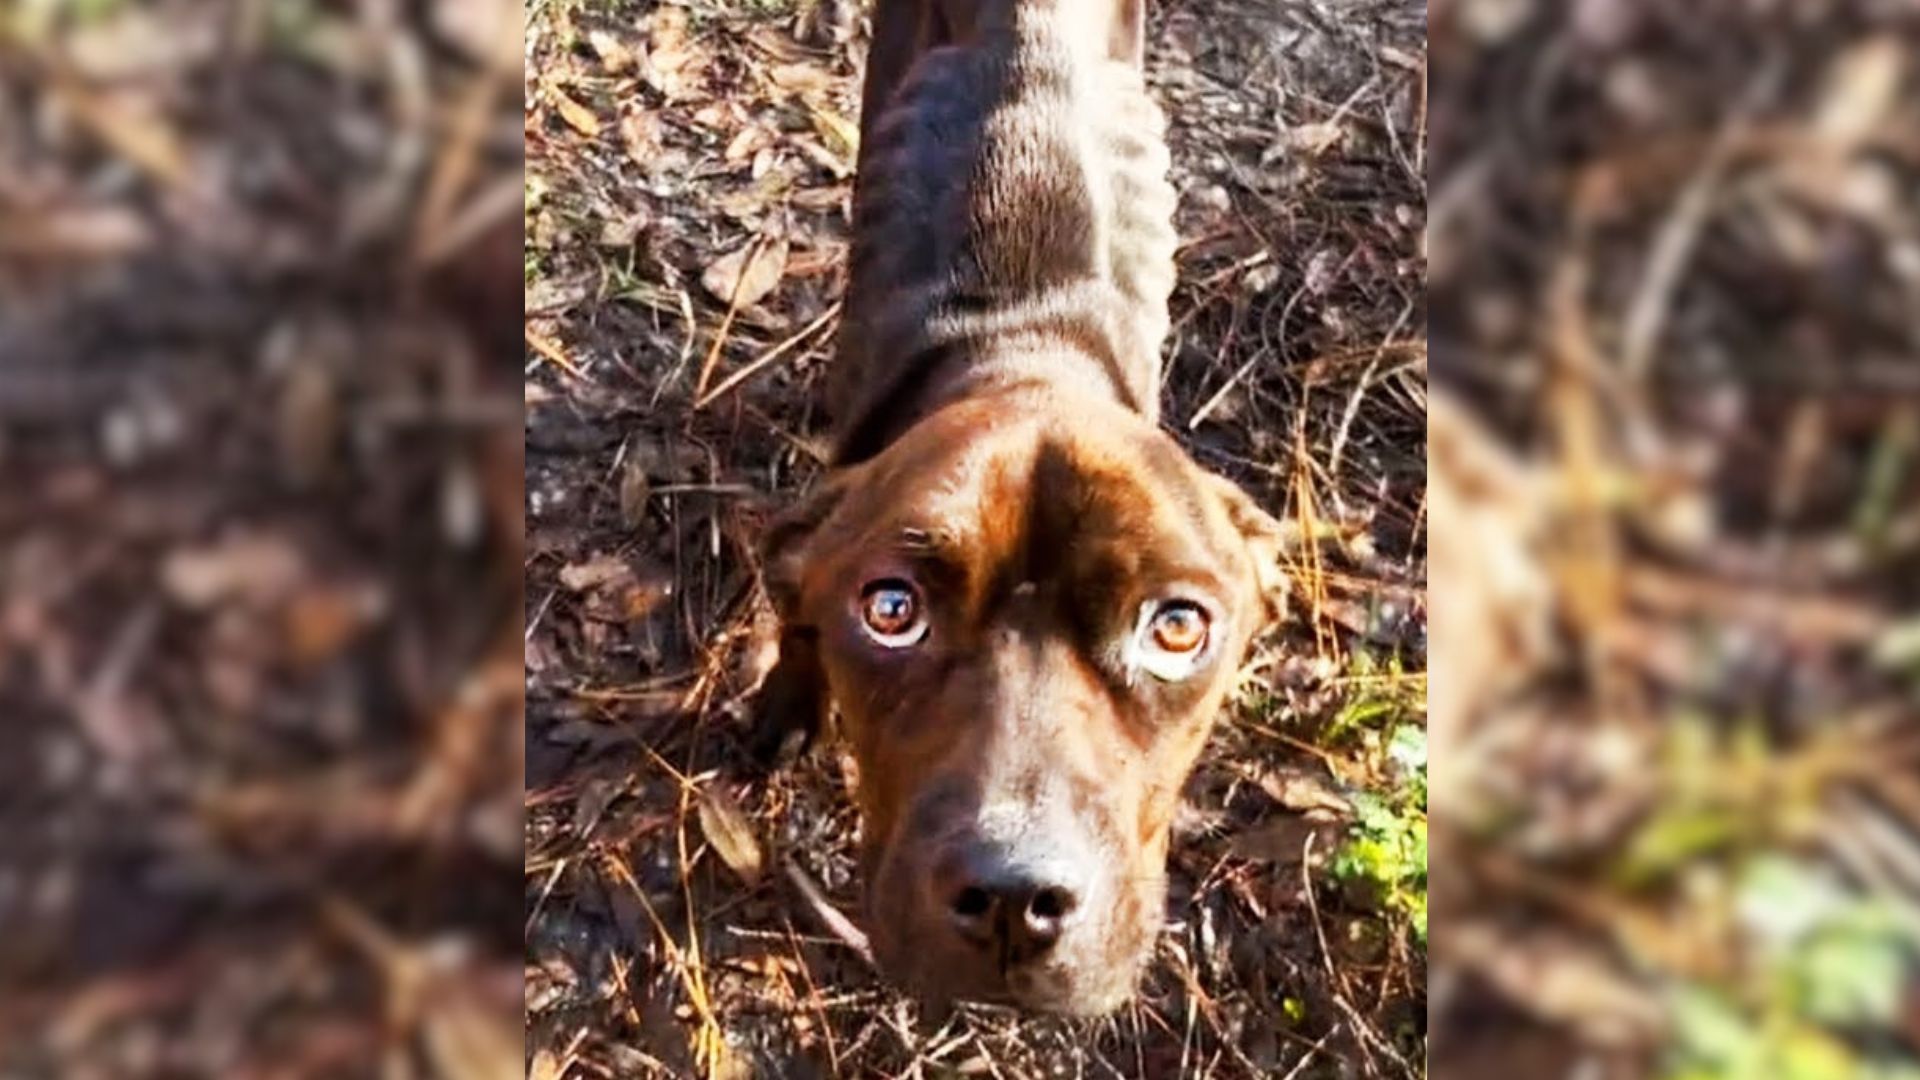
x=1027, y=627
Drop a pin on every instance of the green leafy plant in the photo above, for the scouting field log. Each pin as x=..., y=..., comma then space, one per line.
x=1385, y=852
x=1824, y=962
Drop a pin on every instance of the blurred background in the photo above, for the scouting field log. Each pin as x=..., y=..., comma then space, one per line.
x=260, y=526
x=1675, y=494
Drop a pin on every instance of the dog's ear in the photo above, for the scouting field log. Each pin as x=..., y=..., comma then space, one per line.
x=792, y=702
x=784, y=549
x=1128, y=42
x=1267, y=540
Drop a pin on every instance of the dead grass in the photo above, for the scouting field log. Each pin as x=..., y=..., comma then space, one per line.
x=688, y=174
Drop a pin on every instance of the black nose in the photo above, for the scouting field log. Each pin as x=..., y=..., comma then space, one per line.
x=1014, y=910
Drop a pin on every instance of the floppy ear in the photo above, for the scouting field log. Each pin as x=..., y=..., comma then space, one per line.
x=784, y=550
x=1267, y=538
x=792, y=704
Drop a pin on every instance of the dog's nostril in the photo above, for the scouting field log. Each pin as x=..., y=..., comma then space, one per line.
x=972, y=902
x=1051, y=902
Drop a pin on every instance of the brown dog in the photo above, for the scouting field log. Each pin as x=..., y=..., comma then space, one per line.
x=1025, y=599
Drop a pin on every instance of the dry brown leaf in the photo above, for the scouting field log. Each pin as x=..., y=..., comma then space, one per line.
x=1301, y=789
x=825, y=256
x=640, y=134
x=839, y=167
x=635, y=488
x=578, y=116
x=310, y=420
x=75, y=232
x=597, y=572
x=802, y=78
x=1560, y=979
x=745, y=143
x=727, y=829
x=674, y=58
x=744, y=277
x=629, y=601
x=481, y=29
x=1862, y=86
x=842, y=135
x=320, y=622
x=615, y=57
x=1314, y=140
x=546, y=1066
x=133, y=128
x=1281, y=840
x=777, y=45
x=466, y=1038
x=259, y=569
x=1489, y=512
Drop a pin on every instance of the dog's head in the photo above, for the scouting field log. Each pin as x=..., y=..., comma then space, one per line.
x=1027, y=626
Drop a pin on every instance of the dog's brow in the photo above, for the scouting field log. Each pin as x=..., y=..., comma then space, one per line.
x=933, y=548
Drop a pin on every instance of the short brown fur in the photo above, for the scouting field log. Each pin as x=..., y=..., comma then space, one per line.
x=998, y=448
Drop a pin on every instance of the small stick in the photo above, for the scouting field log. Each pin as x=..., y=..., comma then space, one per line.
x=726, y=324
x=842, y=927
x=767, y=358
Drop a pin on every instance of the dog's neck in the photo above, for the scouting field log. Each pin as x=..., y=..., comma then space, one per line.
x=1012, y=223
x=1019, y=371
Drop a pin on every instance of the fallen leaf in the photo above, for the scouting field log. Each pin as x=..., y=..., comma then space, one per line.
x=310, y=419
x=635, y=488
x=1314, y=140
x=744, y=277
x=75, y=232
x=640, y=134
x=1863, y=84
x=1297, y=788
x=777, y=45
x=801, y=78
x=727, y=829
x=132, y=127
x=620, y=230
x=320, y=622
x=841, y=134
x=487, y=31
x=1281, y=840
x=745, y=144
x=826, y=256
x=594, y=573
x=673, y=57
x=840, y=168
x=467, y=1038
x=627, y=600
x=546, y=1066
x=577, y=116
x=615, y=57
x=258, y=569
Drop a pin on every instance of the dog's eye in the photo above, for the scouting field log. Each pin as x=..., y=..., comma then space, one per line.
x=892, y=613
x=1179, y=628
x=1171, y=639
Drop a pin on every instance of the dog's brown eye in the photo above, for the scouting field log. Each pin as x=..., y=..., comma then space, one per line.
x=892, y=613
x=1179, y=628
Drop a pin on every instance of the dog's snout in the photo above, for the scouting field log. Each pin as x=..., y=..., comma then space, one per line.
x=1018, y=911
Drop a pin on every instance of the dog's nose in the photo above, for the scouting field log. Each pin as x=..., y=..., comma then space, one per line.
x=1017, y=911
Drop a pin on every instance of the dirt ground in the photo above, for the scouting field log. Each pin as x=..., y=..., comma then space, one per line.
x=259, y=542
x=688, y=176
